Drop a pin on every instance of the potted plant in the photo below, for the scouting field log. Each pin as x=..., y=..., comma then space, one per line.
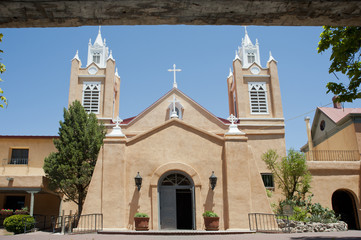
x=211, y=221
x=6, y=212
x=23, y=211
x=141, y=222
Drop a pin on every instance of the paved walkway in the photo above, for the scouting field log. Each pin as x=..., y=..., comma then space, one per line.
x=349, y=235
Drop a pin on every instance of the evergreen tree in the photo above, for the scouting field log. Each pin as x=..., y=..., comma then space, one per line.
x=71, y=168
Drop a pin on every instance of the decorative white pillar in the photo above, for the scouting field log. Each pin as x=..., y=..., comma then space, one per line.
x=233, y=128
x=32, y=201
x=117, y=131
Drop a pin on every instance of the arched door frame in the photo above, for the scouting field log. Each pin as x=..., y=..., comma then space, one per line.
x=191, y=187
x=154, y=191
x=354, y=200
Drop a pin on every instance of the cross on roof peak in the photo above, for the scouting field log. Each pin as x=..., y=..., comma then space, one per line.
x=174, y=70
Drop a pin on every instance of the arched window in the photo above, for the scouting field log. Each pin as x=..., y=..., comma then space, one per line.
x=176, y=179
x=178, y=110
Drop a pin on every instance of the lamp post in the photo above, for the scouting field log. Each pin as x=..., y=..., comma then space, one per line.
x=138, y=181
x=213, y=180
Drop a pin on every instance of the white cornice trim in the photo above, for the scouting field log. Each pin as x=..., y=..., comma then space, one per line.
x=256, y=76
x=91, y=76
x=261, y=125
x=262, y=119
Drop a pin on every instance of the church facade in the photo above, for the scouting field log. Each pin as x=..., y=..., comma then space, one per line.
x=175, y=146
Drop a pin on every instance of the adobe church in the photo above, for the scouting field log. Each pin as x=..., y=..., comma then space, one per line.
x=175, y=146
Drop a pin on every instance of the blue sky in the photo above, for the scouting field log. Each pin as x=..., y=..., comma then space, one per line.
x=38, y=60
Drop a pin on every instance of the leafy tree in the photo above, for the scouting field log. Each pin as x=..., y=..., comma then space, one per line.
x=290, y=173
x=345, y=58
x=2, y=69
x=71, y=168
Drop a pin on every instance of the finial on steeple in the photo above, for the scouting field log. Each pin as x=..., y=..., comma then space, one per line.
x=247, y=40
x=99, y=40
x=90, y=41
x=111, y=56
x=116, y=72
x=256, y=41
x=230, y=72
x=76, y=56
x=271, y=58
x=236, y=56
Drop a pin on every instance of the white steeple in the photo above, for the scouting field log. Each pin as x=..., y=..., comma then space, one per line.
x=248, y=52
x=98, y=52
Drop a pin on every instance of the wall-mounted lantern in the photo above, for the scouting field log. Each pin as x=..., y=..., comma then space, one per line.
x=213, y=180
x=138, y=181
x=10, y=179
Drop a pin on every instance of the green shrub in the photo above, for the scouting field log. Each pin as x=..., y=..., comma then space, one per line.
x=299, y=214
x=16, y=223
x=210, y=214
x=141, y=215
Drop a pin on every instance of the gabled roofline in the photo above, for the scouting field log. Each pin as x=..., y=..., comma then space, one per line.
x=170, y=122
x=165, y=96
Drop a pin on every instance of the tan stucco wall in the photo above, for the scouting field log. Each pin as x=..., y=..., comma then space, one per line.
x=342, y=140
x=39, y=148
x=327, y=177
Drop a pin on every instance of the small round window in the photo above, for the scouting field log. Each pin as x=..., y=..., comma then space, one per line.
x=322, y=125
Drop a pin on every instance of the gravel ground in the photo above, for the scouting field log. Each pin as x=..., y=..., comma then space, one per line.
x=349, y=235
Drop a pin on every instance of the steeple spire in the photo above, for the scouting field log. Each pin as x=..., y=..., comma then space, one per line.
x=247, y=40
x=98, y=53
x=99, y=40
x=248, y=52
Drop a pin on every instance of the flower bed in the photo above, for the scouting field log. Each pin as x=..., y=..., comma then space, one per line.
x=300, y=227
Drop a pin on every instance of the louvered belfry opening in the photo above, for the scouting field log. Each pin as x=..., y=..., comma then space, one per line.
x=258, y=98
x=91, y=96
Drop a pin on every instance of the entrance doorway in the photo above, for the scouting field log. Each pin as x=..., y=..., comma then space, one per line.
x=176, y=201
x=343, y=204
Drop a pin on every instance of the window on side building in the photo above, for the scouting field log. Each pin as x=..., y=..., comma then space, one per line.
x=19, y=156
x=268, y=180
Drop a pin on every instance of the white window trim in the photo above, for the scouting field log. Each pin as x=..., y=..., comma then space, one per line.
x=97, y=84
x=264, y=86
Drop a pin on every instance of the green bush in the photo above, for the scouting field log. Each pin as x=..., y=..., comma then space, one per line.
x=299, y=214
x=210, y=214
x=16, y=223
x=141, y=215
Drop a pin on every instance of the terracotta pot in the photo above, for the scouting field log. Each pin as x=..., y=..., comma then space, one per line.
x=211, y=223
x=6, y=213
x=141, y=223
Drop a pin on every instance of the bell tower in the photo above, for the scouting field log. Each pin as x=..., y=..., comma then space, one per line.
x=253, y=91
x=97, y=85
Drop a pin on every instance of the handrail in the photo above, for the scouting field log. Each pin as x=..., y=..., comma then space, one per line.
x=265, y=222
x=333, y=155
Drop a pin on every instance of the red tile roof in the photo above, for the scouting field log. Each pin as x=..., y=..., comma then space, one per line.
x=336, y=114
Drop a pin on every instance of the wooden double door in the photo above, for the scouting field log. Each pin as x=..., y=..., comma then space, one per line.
x=176, y=202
